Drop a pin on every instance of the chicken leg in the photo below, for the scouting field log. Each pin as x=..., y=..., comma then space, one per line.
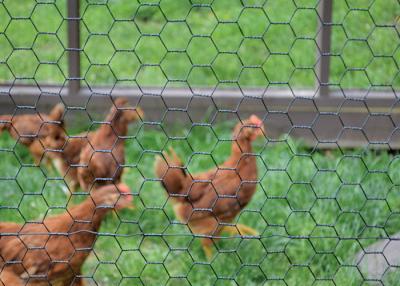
x=240, y=229
x=207, y=247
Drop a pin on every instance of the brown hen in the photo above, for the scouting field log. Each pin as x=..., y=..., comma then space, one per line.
x=66, y=158
x=31, y=130
x=101, y=159
x=52, y=252
x=209, y=202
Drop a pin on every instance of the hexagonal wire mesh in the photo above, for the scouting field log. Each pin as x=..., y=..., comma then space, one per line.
x=266, y=154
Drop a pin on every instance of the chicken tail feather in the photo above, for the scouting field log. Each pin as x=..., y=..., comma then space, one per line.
x=170, y=170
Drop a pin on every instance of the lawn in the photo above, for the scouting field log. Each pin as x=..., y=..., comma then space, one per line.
x=230, y=42
x=311, y=209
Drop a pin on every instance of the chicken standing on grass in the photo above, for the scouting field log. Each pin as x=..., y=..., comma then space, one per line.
x=52, y=252
x=102, y=158
x=31, y=130
x=210, y=201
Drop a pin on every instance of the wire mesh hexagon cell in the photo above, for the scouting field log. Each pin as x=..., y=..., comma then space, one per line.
x=199, y=142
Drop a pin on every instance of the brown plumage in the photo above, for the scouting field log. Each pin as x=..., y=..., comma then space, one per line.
x=32, y=129
x=67, y=157
x=101, y=159
x=52, y=252
x=209, y=200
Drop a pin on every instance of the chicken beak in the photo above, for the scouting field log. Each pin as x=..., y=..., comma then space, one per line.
x=125, y=205
x=261, y=131
x=139, y=113
x=131, y=207
x=258, y=132
x=126, y=198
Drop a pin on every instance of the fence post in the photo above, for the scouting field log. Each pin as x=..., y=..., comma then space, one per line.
x=324, y=45
x=74, y=72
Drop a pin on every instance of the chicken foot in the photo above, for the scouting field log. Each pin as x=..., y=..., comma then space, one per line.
x=207, y=247
x=240, y=229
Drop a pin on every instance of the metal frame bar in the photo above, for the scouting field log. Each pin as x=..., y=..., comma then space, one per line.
x=354, y=119
x=324, y=46
x=74, y=61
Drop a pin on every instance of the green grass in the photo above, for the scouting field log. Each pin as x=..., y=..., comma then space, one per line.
x=311, y=210
x=272, y=44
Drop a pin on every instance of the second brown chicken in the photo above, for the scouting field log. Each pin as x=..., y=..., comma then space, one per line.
x=210, y=201
x=102, y=159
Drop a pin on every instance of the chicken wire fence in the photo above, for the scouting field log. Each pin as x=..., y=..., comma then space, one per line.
x=261, y=148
